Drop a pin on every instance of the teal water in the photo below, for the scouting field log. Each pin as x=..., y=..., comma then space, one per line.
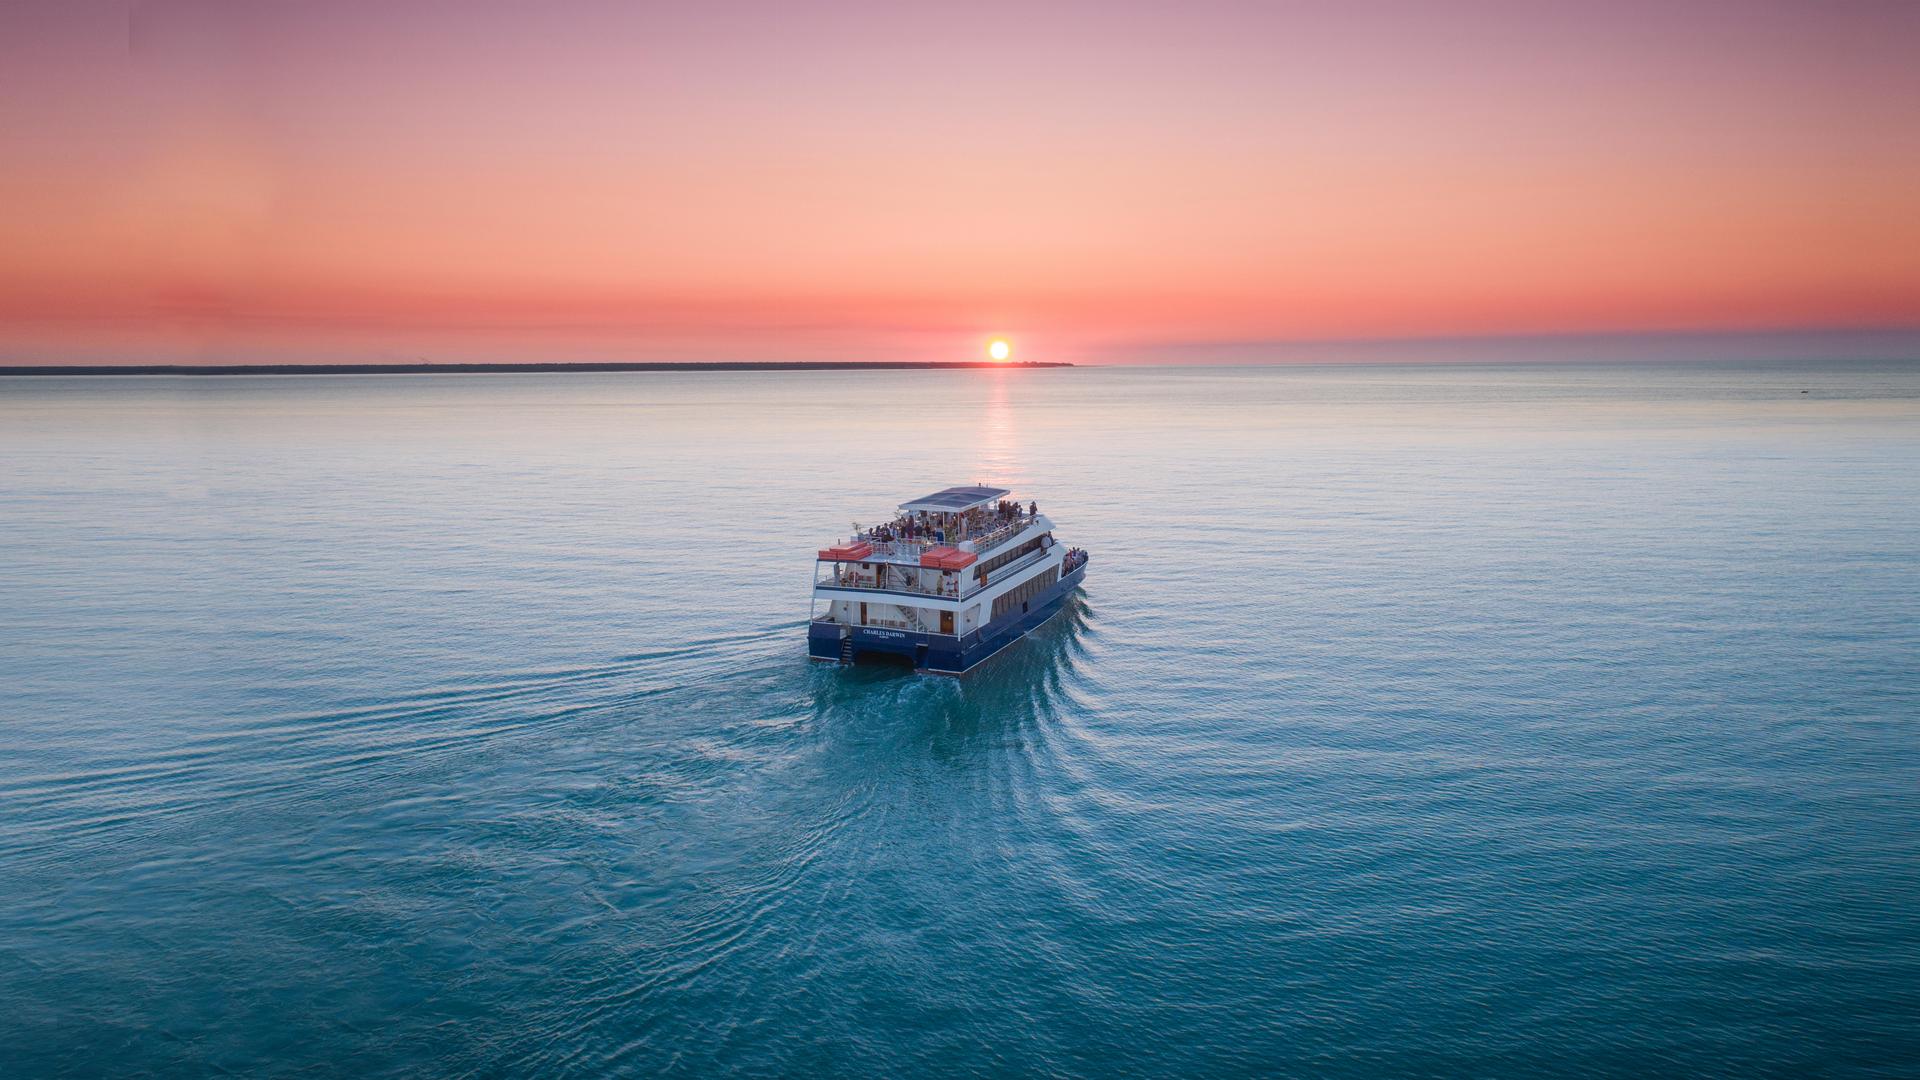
x=1528, y=721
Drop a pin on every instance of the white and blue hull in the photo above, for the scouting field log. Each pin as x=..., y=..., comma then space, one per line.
x=942, y=654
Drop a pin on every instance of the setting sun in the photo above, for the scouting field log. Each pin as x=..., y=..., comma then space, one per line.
x=999, y=349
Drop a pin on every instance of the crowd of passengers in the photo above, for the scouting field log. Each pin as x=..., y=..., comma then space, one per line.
x=918, y=526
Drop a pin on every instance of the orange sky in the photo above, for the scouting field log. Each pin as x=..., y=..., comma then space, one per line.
x=518, y=181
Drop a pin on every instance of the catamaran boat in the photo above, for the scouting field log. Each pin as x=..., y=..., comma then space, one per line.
x=951, y=580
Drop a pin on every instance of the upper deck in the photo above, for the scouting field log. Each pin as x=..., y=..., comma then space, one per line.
x=948, y=545
x=974, y=520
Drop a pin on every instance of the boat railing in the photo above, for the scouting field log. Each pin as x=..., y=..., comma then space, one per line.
x=900, y=549
x=979, y=542
x=921, y=582
x=1000, y=535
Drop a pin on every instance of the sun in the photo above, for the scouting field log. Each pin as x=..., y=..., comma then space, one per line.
x=999, y=349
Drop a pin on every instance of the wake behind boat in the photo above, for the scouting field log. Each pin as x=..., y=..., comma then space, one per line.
x=954, y=578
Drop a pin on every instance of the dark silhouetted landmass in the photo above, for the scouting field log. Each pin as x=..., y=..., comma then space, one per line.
x=489, y=369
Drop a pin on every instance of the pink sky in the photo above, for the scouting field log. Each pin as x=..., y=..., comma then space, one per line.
x=198, y=181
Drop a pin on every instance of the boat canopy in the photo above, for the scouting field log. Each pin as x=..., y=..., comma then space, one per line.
x=954, y=500
x=848, y=552
x=944, y=557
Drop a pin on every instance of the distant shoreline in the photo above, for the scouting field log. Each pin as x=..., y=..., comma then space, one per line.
x=498, y=369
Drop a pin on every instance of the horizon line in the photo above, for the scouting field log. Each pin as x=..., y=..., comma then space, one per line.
x=507, y=368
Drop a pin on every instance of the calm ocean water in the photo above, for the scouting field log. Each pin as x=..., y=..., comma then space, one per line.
x=1551, y=721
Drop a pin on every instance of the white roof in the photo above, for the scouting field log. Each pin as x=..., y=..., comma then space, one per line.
x=953, y=500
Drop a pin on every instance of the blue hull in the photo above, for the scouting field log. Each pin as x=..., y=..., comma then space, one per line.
x=943, y=654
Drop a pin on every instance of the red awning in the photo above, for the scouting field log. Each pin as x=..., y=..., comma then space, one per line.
x=946, y=557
